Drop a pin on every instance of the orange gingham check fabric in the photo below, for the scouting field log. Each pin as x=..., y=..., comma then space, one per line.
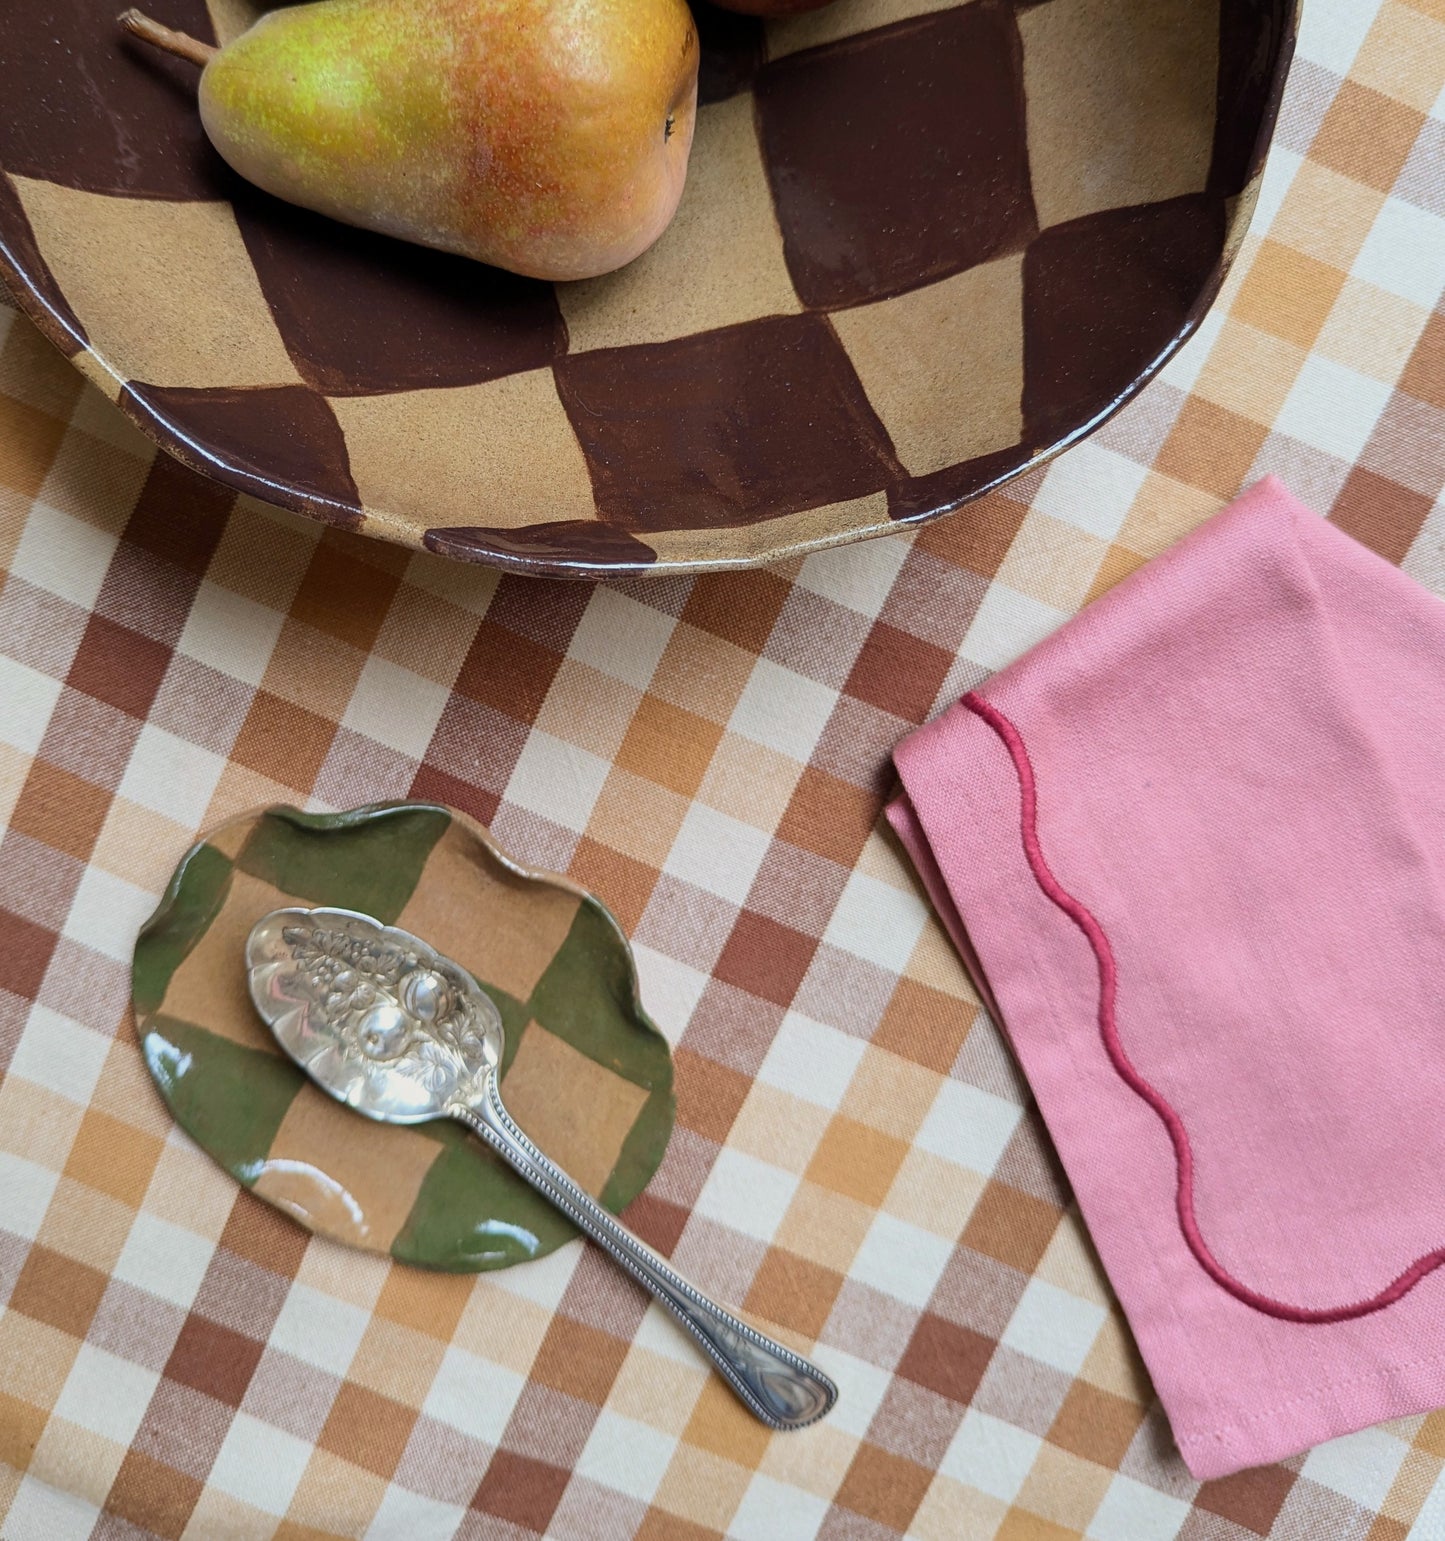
x=855, y=1160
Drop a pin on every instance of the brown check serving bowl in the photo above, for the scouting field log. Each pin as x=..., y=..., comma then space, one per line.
x=922, y=247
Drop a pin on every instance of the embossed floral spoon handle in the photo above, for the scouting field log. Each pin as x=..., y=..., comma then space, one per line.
x=777, y=1385
x=387, y=1025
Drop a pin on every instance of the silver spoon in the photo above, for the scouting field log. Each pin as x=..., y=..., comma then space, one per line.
x=388, y=1026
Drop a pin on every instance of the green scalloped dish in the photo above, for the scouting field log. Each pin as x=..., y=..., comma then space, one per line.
x=586, y=1073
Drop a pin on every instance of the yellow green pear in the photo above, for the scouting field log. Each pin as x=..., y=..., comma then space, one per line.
x=550, y=137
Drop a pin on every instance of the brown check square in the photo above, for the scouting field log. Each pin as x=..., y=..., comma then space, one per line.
x=380, y=315
x=860, y=206
x=152, y=104
x=790, y=391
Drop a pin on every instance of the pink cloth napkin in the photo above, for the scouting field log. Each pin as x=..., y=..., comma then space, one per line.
x=1195, y=844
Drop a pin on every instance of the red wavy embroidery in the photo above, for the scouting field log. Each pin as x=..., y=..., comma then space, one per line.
x=1109, y=1031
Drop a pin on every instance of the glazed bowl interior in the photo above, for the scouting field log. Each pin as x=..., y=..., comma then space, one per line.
x=921, y=247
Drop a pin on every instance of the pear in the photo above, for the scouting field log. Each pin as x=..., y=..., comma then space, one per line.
x=550, y=137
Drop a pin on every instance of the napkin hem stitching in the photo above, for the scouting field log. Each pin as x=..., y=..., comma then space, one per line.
x=1313, y=1398
x=1124, y=1067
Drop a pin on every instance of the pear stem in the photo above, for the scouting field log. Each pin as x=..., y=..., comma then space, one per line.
x=182, y=44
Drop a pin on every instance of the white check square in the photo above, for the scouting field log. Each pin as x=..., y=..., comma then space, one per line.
x=621, y=637
x=990, y=1455
x=717, y=853
x=1331, y=32
x=1007, y=624
x=875, y=921
x=107, y=913
x=1362, y=1466
x=746, y=1194
x=969, y=1126
x=1133, y=1511
x=857, y=576
x=165, y=1260
x=1405, y=253
x=1185, y=367
x=772, y=1509
x=40, y=1512
x=319, y=1329
x=557, y=780
x=260, y=1464
x=27, y=698
x=230, y=633
x=63, y=555
x=1430, y=1521
x=171, y=776
x=59, y=1054
x=543, y=1281
x=811, y=1060
x=626, y=1455
x=25, y=1193
x=1091, y=488
x=783, y=710
x=1332, y=407
x=1053, y=1326
x=901, y=1260
x=1279, y=172
x=406, y=1516
x=670, y=990
x=473, y=1395
x=395, y=707
x=861, y=1389
x=106, y=1394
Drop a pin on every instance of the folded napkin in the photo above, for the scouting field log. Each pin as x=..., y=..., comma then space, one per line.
x=1194, y=847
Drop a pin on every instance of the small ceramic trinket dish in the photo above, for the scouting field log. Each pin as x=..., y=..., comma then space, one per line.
x=586, y=1073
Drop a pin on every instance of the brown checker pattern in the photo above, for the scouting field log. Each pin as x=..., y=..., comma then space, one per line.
x=860, y=316
x=854, y=1158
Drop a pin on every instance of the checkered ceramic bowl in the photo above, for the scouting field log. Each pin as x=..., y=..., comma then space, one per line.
x=585, y=1072
x=922, y=246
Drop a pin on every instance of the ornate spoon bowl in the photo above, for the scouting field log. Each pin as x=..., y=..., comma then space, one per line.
x=387, y=1025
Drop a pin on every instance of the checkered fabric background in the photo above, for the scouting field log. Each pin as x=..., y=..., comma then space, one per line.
x=855, y=1160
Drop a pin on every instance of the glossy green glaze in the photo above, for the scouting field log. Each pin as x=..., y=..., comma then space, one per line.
x=432, y=1195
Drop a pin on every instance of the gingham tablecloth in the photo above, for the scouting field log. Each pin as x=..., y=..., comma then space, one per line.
x=855, y=1160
